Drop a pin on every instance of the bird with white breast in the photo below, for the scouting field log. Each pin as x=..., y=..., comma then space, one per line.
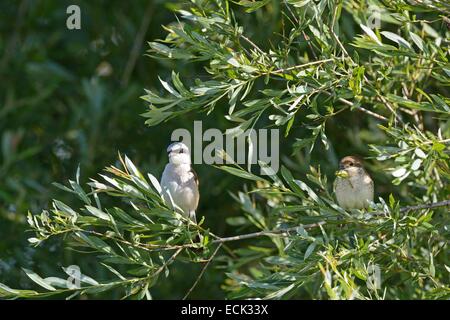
x=353, y=186
x=179, y=181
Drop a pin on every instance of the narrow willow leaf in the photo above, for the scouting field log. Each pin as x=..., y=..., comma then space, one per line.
x=396, y=38
x=253, y=5
x=289, y=178
x=233, y=62
x=80, y=192
x=38, y=280
x=169, y=88
x=78, y=275
x=95, y=243
x=62, y=187
x=65, y=208
x=155, y=183
x=114, y=271
x=132, y=168
x=309, y=250
x=420, y=153
x=280, y=293
x=7, y=289
x=240, y=173
x=77, y=176
x=416, y=164
x=371, y=34
x=308, y=190
x=417, y=40
x=399, y=172
x=98, y=213
x=56, y=282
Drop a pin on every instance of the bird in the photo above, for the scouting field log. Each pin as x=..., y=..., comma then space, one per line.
x=354, y=188
x=179, y=181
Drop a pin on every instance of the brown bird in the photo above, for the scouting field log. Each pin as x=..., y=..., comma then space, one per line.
x=353, y=185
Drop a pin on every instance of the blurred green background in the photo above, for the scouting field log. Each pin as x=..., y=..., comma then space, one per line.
x=69, y=98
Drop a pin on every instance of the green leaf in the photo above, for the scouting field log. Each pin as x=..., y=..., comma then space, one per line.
x=289, y=179
x=98, y=213
x=396, y=38
x=65, y=208
x=371, y=34
x=79, y=276
x=114, y=271
x=132, y=168
x=308, y=190
x=309, y=250
x=38, y=280
x=233, y=62
x=155, y=183
x=56, y=282
x=279, y=293
x=417, y=40
x=399, y=172
x=240, y=173
x=391, y=200
x=253, y=5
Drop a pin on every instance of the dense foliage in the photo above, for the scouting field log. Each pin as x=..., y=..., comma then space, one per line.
x=335, y=85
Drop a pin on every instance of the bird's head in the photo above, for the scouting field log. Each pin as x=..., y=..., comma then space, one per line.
x=179, y=153
x=351, y=165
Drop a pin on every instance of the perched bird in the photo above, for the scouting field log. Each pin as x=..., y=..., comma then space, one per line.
x=353, y=185
x=179, y=181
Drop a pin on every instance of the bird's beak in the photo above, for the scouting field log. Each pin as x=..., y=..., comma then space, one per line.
x=342, y=174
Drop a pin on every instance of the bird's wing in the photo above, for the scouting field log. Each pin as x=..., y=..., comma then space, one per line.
x=334, y=185
x=195, y=176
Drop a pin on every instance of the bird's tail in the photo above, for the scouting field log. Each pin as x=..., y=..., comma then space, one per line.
x=192, y=216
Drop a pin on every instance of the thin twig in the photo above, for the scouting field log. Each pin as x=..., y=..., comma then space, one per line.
x=426, y=206
x=371, y=113
x=168, y=261
x=138, y=40
x=280, y=232
x=351, y=104
x=253, y=44
x=302, y=65
x=202, y=272
x=314, y=225
x=267, y=233
x=386, y=103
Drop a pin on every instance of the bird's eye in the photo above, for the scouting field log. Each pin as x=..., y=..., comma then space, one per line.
x=351, y=163
x=181, y=151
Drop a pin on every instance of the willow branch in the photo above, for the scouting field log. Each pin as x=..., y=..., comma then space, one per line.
x=203, y=271
x=371, y=113
x=253, y=44
x=166, y=264
x=280, y=232
x=426, y=206
x=312, y=63
x=284, y=232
